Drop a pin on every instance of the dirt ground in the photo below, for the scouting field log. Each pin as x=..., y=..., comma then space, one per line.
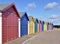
x=20, y=40
x=49, y=37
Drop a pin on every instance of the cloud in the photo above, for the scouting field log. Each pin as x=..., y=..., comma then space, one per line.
x=56, y=22
x=54, y=16
x=31, y=6
x=50, y=5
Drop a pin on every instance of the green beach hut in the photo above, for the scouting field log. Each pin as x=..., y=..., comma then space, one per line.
x=36, y=25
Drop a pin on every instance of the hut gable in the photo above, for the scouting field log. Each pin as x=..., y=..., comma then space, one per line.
x=22, y=14
x=31, y=18
x=36, y=20
x=39, y=21
x=4, y=8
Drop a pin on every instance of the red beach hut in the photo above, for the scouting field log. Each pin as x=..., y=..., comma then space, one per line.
x=8, y=22
x=39, y=26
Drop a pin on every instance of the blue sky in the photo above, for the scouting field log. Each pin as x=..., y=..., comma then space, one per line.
x=45, y=10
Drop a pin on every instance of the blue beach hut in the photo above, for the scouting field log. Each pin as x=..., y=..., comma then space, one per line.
x=42, y=25
x=23, y=24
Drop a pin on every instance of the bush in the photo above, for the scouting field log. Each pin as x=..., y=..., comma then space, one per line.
x=56, y=26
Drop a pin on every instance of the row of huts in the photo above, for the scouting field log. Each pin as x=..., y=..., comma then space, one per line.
x=14, y=24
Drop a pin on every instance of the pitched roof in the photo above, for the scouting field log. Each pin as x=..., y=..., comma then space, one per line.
x=50, y=23
x=35, y=20
x=2, y=6
x=39, y=21
x=21, y=14
x=43, y=22
x=31, y=18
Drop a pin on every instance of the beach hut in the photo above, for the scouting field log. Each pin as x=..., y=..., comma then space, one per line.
x=39, y=26
x=36, y=25
x=42, y=25
x=50, y=26
x=23, y=30
x=45, y=26
x=8, y=22
x=31, y=25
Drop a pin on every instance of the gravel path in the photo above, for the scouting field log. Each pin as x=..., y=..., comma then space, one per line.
x=51, y=37
x=20, y=40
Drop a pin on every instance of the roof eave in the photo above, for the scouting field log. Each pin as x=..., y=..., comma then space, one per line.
x=27, y=16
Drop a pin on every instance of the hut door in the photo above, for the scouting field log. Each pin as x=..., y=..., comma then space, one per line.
x=24, y=27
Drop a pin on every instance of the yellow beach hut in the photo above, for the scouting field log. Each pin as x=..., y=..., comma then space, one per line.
x=45, y=26
x=31, y=25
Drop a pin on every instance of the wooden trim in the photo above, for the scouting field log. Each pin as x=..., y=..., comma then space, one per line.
x=19, y=27
x=1, y=28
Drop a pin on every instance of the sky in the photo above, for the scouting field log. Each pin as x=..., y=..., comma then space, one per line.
x=45, y=10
